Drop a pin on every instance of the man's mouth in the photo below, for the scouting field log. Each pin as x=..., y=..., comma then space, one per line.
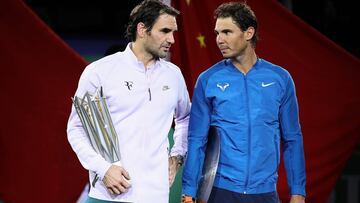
x=223, y=48
x=166, y=48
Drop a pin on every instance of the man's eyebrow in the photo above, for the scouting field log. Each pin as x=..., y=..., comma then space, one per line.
x=222, y=31
x=226, y=30
x=166, y=30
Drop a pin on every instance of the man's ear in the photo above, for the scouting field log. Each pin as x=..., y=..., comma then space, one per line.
x=141, y=29
x=249, y=33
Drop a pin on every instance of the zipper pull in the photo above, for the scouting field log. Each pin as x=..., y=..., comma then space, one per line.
x=149, y=94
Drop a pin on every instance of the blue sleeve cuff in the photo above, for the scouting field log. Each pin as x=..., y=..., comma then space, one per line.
x=189, y=191
x=298, y=190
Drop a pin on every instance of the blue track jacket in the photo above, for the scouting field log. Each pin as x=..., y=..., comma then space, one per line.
x=252, y=114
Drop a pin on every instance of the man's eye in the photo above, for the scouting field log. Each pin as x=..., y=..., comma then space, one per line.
x=165, y=30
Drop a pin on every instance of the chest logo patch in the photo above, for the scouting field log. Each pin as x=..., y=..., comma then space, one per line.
x=165, y=87
x=223, y=86
x=267, y=84
x=129, y=84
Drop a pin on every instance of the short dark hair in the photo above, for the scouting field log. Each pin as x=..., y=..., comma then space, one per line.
x=241, y=14
x=147, y=12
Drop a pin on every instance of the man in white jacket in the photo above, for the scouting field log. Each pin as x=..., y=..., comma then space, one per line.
x=145, y=94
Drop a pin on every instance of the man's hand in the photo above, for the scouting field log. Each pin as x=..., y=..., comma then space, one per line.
x=174, y=165
x=297, y=199
x=187, y=199
x=116, y=180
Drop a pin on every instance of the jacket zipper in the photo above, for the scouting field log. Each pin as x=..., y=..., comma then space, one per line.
x=149, y=90
x=249, y=133
x=148, y=81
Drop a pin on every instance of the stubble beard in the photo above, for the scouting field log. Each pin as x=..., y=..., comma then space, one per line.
x=236, y=54
x=156, y=54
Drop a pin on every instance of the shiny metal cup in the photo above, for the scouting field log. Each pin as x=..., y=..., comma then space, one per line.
x=96, y=120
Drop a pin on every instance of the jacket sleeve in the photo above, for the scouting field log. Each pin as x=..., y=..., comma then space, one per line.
x=292, y=140
x=198, y=131
x=182, y=113
x=76, y=135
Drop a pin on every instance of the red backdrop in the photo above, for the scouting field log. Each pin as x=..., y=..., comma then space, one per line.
x=39, y=74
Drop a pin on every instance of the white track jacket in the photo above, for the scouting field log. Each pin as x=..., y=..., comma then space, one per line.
x=143, y=104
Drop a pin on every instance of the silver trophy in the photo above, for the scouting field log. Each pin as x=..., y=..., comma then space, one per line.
x=95, y=118
x=211, y=161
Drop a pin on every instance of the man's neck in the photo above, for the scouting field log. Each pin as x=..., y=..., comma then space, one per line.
x=245, y=61
x=142, y=55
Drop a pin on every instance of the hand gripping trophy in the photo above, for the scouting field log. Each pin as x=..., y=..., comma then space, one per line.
x=96, y=120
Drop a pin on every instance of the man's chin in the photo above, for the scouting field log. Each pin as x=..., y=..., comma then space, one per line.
x=163, y=55
x=226, y=56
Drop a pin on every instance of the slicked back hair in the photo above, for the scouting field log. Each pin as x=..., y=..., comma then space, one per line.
x=147, y=12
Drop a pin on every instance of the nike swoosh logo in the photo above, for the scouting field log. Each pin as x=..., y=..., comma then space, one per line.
x=165, y=88
x=266, y=85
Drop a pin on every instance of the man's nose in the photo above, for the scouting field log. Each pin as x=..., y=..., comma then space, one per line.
x=219, y=39
x=170, y=38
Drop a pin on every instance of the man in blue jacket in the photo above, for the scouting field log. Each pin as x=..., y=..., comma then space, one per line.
x=253, y=107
